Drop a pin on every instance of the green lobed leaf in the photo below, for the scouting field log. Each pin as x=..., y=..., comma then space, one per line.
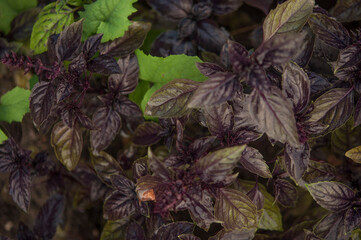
x=10, y=8
x=109, y=17
x=289, y=16
x=14, y=104
x=3, y=137
x=139, y=92
x=164, y=70
x=51, y=20
x=235, y=210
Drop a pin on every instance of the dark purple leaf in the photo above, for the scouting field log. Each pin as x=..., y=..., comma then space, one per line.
x=238, y=234
x=103, y=64
x=329, y=30
x=209, y=69
x=305, y=53
x=127, y=80
x=296, y=160
x=107, y=122
x=279, y=49
x=49, y=216
x=132, y=39
x=135, y=232
x=200, y=146
x=215, y=167
x=333, y=196
x=285, y=193
x=352, y=219
x=318, y=171
x=217, y=89
x=140, y=167
x=253, y=161
x=171, y=231
x=220, y=119
x=318, y=83
x=124, y=107
x=78, y=65
x=263, y=5
x=296, y=86
x=7, y=161
x=238, y=55
x=256, y=196
x=147, y=133
x=273, y=113
x=235, y=210
x=105, y=166
x=171, y=100
x=173, y=9
x=157, y=167
x=24, y=233
x=41, y=102
x=258, y=79
x=333, y=108
x=332, y=227
x=357, y=114
x=19, y=187
x=91, y=45
x=210, y=37
x=222, y=7
x=188, y=237
x=69, y=41
x=348, y=57
x=347, y=10
x=118, y=205
x=63, y=91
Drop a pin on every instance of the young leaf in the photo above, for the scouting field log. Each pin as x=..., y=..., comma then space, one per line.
x=273, y=113
x=107, y=17
x=253, y=161
x=354, y=154
x=215, y=167
x=68, y=144
x=49, y=216
x=333, y=108
x=347, y=10
x=332, y=196
x=51, y=20
x=289, y=16
x=107, y=122
x=296, y=86
x=171, y=100
x=14, y=104
x=235, y=209
x=329, y=30
x=19, y=187
x=69, y=41
x=163, y=70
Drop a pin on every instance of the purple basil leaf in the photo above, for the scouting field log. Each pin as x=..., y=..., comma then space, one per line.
x=84, y=120
x=49, y=216
x=7, y=161
x=19, y=187
x=52, y=51
x=173, y=9
x=132, y=39
x=296, y=160
x=332, y=196
x=201, y=209
x=256, y=196
x=147, y=133
x=157, y=167
x=296, y=86
x=318, y=83
x=63, y=91
x=78, y=65
x=135, y=232
x=215, y=167
x=105, y=166
x=127, y=80
x=285, y=193
x=217, y=89
x=348, y=57
x=104, y=64
x=188, y=237
x=210, y=37
x=273, y=113
x=253, y=161
x=119, y=205
x=41, y=102
x=305, y=53
x=173, y=230
x=319, y=171
x=107, y=122
x=171, y=100
x=222, y=7
x=279, y=49
x=220, y=120
x=24, y=233
x=209, y=69
x=200, y=146
x=122, y=184
x=332, y=227
x=352, y=219
x=258, y=79
x=357, y=113
x=263, y=5
x=125, y=107
x=333, y=108
x=239, y=234
x=238, y=55
x=140, y=167
x=69, y=41
x=347, y=11
x=91, y=45
x=329, y=30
